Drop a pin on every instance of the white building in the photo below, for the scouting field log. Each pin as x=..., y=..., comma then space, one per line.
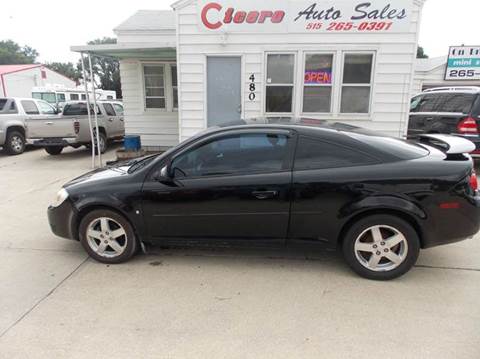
x=431, y=73
x=348, y=61
x=18, y=80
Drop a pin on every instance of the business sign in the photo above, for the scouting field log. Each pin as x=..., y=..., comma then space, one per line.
x=463, y=63
x=376, y=16
x=318, y=77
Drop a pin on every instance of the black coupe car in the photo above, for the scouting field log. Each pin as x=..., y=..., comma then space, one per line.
x=285, y=183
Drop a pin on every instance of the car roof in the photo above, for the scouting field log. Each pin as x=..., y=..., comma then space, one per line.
x=453, y=89
x=303, y=124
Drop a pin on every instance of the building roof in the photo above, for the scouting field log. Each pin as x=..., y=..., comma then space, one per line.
x=430, y=64
x=8, y=69
x=144, y=20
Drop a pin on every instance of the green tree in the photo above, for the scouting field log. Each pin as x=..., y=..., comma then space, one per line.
x=421, y=53
x=67, y=69
x=106, y=70
x=12, y=53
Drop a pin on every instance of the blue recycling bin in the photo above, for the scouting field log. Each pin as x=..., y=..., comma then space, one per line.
x=132, y=143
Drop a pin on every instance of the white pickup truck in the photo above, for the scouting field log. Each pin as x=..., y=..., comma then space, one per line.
x=13, y=114
x=72, y=127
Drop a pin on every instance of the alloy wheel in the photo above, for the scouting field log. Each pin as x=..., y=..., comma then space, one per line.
x=381, y=248
x=106, y=237
x=16, y=143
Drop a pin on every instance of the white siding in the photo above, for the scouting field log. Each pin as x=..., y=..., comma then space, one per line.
x=158, y=129
x=19, y=84
x=394, y=67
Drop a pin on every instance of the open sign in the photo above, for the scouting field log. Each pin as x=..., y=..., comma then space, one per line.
x=318, y=77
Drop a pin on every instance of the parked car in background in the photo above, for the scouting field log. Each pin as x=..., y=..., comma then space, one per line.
x=13, y=114
x=72, y=128
x=449, y=110
x=380, y=199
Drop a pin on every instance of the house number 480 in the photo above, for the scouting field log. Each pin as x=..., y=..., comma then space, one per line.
x=252, y=88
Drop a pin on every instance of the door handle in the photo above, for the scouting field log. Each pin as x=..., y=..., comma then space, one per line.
x=264, y=194
x=49, y=123
x=239, y=109
x=110, y=120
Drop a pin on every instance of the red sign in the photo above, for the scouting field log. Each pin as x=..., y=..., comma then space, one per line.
x=318, y=77
x=233, y=16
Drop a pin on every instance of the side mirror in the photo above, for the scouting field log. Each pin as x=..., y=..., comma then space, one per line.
x=164, y=175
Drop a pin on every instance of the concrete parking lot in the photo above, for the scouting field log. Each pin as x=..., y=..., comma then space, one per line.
x=192, y=303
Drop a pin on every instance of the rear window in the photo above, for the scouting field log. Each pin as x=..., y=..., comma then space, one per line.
x=77, y=109
x=30, y=107
x=3, y=102
x=393, y=146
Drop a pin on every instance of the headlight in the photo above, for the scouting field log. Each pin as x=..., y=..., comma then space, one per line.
x=62, y=195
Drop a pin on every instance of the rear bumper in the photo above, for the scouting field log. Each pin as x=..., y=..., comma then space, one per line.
x=62, y=220
x=46, y=142
x=453, y=225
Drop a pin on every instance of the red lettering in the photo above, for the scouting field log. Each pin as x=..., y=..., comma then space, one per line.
x=239, y=17
x=264, y=15
x=228, y=16
x=206, y=9
x=252, y=17
x=278, y=17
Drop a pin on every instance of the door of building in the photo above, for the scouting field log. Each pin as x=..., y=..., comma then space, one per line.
x=224, y=103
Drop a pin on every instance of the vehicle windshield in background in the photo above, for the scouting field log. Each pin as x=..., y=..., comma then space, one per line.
x=447, y=102
x=45, y=96
x=399, y=148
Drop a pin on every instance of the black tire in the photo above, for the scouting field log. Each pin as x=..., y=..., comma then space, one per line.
x=15, y=143
x=359, y=261
x=128, y=241
x=103, y=143
x=54, y=150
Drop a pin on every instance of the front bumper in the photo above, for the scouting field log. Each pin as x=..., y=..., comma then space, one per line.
x=62, y=220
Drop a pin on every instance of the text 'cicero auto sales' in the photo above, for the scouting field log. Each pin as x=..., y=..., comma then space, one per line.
x=375, y=15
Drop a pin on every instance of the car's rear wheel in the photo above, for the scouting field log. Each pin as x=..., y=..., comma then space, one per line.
x=15, y=143
x=381, y=247
x=54, y=150
x=107, y=236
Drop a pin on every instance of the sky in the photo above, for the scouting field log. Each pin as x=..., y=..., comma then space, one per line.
x=52, y=26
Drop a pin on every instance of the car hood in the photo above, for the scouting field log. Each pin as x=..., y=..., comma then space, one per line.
x=100, y=175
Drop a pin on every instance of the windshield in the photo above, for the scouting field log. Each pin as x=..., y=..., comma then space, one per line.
x=46, y=96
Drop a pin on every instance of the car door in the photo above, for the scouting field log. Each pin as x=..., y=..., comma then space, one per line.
x=111, y=120
x=120, y=123
x=327, y=176
x=229, y=186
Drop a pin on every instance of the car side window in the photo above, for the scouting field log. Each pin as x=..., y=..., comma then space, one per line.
x=234, y=154
x=315, y=154
x=118, y=109
x=455, y=102
x=425, y=103
x=109, y=109
x=30, y=107
x=45, y=108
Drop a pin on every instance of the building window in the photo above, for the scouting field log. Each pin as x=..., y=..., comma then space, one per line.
x=174, y=86
x=357, y=83
x=74, y=97
x=317, y=90
x=154, y=80
x=279, y=86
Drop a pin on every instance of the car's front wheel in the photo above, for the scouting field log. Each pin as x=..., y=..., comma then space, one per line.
x=15, y=143
x=381, y=247
x=107, y=236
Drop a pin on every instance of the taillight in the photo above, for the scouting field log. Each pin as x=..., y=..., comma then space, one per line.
x=76, y=127
x=474, y=181
x=468, y=126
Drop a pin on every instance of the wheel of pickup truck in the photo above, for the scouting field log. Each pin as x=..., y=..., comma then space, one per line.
x=103, y=143
x=15, y=143
x=54, y=150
